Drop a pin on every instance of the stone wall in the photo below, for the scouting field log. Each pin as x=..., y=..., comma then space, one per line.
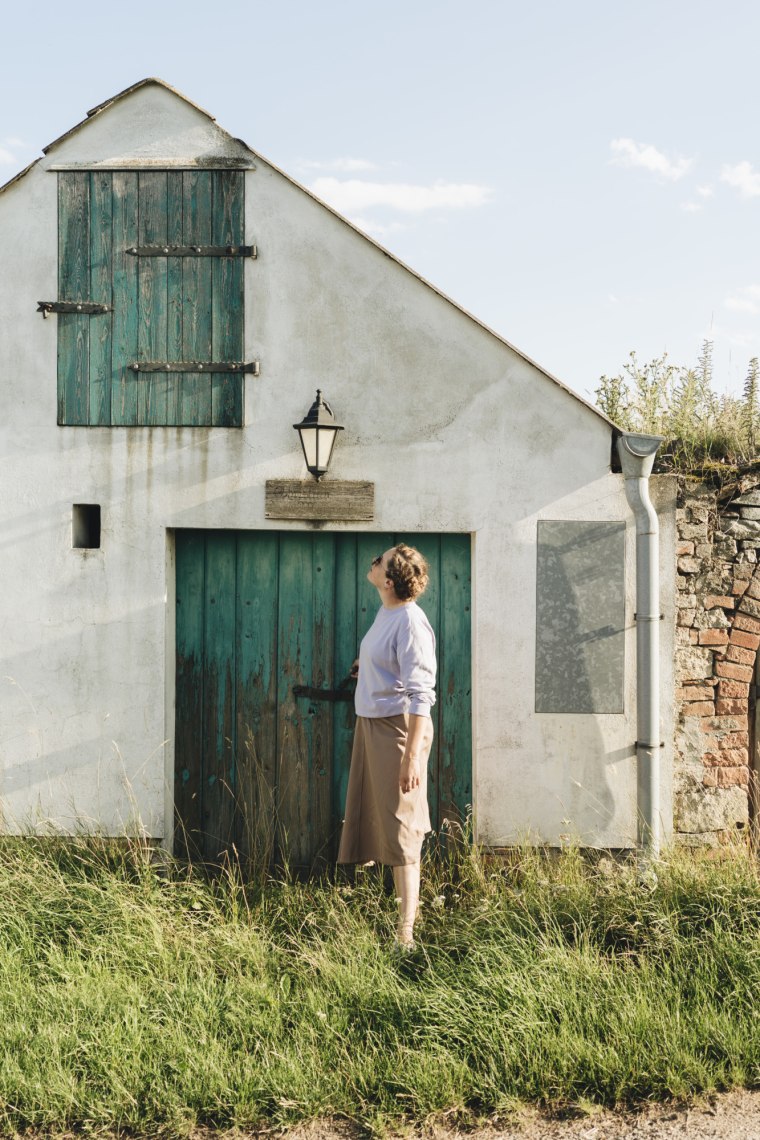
x=717, y=636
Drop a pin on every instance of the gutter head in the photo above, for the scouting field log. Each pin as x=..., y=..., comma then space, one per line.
x=637, y=453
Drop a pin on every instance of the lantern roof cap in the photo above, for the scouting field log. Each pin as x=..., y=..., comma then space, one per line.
x=320, y=414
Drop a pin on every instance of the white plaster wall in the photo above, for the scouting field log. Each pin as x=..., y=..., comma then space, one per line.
x=457, y=431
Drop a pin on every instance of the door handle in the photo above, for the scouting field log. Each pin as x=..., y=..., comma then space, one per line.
x=342, y=693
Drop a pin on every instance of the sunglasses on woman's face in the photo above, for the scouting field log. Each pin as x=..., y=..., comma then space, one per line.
x=377, y=561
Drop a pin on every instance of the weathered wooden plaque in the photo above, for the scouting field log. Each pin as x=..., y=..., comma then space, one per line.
x=339, y=501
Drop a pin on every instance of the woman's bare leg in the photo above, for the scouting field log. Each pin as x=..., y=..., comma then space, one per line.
x=407, y=882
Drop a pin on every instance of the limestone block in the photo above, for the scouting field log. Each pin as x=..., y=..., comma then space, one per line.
x=694, y=663
x=695, y=531
x=750, y=499
x=742, y=529
x=751, y=513
x=699, y=514
x=750, y=606
x=700, y=809
x=696, y=493
x=711, y=619
x=699, y=839
x=689, y=763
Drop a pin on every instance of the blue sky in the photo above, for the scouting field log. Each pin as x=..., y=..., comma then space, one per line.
x=583, y=176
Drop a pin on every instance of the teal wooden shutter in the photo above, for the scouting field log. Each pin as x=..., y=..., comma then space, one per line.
x=164, y=309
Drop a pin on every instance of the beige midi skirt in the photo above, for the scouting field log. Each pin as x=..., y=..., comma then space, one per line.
x=384, y=824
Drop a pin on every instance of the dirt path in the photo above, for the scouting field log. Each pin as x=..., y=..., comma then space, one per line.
x=728, y=1116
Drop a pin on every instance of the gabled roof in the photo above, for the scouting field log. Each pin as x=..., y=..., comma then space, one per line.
x=101, y=107
x=149, y=82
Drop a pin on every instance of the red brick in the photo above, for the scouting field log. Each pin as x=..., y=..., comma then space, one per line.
x=733, y=689
x=710, y=778
x=699, y=692
x=698, y=708
x=739, y=587
x=744, y=621
x=715, y=760
x=684, y=548
x=693, y=637
x=753, y=589
x=734, y=755
x=712, y=601
x=731, y=708
x=735, y=740
x=748, y=640
x=735, y=672
x=733, y=777
x=742, y=656
x=713, y=637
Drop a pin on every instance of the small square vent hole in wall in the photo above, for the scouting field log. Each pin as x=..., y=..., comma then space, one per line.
x=85, y=526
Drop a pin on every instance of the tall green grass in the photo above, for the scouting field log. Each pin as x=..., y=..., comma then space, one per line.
x=154, y=1000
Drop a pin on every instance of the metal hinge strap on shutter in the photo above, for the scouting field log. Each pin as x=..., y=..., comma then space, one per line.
x=251, y=366
x=88, y=308
x=193, y=251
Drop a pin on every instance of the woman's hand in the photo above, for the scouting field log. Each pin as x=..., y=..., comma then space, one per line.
x=355, y=669
x=409, y=776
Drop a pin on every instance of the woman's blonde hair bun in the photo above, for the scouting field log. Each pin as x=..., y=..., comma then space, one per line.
x=408, y=571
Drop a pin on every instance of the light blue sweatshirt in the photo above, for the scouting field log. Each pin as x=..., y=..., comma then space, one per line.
x=397, y=664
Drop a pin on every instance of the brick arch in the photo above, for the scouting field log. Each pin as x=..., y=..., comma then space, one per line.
x=717, y=638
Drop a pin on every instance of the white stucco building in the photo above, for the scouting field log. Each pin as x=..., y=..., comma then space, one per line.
x=158, y=609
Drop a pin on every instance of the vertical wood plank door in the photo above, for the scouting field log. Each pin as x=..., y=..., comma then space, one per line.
x=259, y=767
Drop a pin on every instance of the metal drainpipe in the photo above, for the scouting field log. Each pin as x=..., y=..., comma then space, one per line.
x=637, y=454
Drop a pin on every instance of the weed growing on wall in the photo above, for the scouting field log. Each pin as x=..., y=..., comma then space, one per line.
x=154, y=999
x=704, y=433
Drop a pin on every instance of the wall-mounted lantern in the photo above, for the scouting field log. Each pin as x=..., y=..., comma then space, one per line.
x=318, y=431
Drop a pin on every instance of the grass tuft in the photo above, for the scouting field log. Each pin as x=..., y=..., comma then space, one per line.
x=153, y=999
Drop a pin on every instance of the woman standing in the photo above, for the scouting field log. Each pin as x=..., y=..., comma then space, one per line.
x=387, y=813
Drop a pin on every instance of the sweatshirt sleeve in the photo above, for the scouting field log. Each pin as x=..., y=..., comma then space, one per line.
x=415, y=651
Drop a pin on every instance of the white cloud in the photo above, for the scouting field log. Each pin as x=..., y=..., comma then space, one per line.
x=344, y=165
x=12, y=141
x=376, y=229
x=705, y=191
x=356, y=194
x=743, y=177
x=746, y=300
x=6, y=157
x=627, y=152
x=691, y=207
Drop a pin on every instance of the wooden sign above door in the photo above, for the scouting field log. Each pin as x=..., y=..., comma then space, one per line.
x=341, y=501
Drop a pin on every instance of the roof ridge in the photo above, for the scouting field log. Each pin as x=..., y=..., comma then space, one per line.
x=149, y=81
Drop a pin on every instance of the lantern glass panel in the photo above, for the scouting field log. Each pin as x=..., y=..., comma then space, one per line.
x=309, y=444
x=326, y=445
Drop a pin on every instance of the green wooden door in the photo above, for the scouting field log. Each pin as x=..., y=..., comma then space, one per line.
x=259, y=613
x=163, y=308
